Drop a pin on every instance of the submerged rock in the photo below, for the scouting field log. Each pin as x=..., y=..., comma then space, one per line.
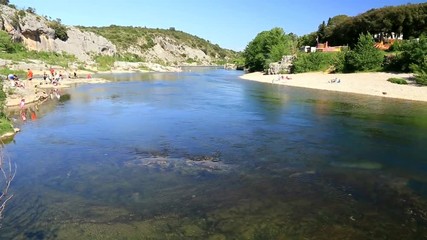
x=189, y=164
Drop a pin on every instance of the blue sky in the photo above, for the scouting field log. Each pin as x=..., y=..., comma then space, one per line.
x=231, y=24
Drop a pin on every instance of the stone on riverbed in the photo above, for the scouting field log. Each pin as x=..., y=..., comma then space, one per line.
x=188, y=165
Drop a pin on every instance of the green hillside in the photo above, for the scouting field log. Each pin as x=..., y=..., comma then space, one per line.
x=143, y=39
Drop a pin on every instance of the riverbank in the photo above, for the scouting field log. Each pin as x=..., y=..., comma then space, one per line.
x=374, y=84
x=38, y=90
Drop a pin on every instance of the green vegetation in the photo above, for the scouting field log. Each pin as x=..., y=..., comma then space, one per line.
x=397, y=80
x=411, y=54
x=267, y=47
x=421, y=75
x=104, y=63
x=5, y=125
x=60, y=30
x=318, y=61
x=364, y=56
x=408, y=20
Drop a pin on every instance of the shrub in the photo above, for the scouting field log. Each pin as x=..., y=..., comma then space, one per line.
x=392, y=63
x=60, y=30
x=31, y=10
x=104, y=63
x=22, y=13
x=318, y=61
x=397, y=80
x=364, y=57
x=421, y=72
x=413, y=53
x=7, y=45
x=421, y=78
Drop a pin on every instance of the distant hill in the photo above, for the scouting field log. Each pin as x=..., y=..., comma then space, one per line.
x=168, y=46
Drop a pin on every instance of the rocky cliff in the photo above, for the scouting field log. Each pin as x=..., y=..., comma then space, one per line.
x=35, y=33
x=166, y=47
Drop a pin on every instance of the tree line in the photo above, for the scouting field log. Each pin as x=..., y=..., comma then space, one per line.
x=409, y=21
x=358, y=33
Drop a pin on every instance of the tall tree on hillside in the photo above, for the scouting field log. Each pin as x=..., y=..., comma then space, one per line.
x=331, y=28
x=321, y=32
x=268, y=46
x=4, y=2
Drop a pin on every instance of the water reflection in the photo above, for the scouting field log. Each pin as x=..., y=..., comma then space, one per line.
x=204, y=155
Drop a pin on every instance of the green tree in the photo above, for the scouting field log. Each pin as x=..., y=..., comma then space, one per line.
x=307, y=40
x=321, y=32
x=60, y=30
x=413, y=53
x=4, y=2
x=268, y=46
x=364, y=56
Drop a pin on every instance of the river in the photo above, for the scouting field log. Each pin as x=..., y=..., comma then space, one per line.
x=202, y=154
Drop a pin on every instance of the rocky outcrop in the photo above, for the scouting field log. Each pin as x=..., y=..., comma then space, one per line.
x=85, y=44
x=284, y=66
x=38, y=33
x=35, y=33
x=171, y=52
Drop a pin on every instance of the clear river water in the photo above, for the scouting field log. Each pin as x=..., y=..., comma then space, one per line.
x=202, y=154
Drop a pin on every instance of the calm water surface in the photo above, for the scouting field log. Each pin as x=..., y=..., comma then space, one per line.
x=204, y=155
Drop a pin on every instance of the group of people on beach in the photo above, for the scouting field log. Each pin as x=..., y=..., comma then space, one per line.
x=53, y=78
x=281, y=77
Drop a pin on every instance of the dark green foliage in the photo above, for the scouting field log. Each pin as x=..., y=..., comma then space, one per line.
x=308, y=40
x=413, y=53
x=421, y=77
x=392, y=63
x=397, y=80
x=420, y=70
x=4, y=2
x=268, y=46
x=364, y=56
x=321, y=32
x=409, y=20
x=31, y=10
x=60, y=30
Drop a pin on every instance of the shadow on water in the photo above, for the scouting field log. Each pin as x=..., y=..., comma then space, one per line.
x=205, y=155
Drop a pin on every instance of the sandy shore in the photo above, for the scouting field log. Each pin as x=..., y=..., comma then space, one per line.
x=374, y=84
